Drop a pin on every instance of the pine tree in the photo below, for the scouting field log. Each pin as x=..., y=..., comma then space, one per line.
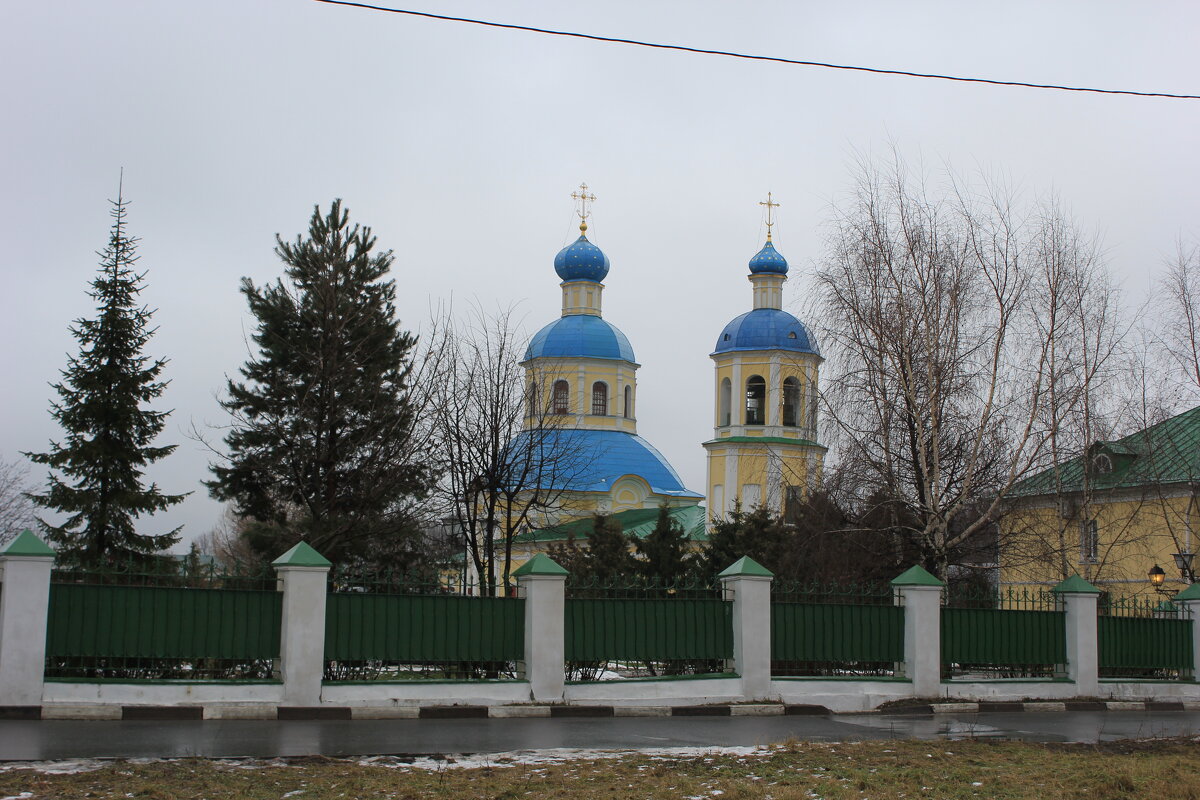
x=321, y=446
x=108, y=432
x=607, y=557
x=664, y=550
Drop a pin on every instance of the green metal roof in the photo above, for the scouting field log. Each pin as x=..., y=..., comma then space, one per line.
x=27, y=544
x=1166, y=453
x=916, y=576
x=746, y=566
x=766, y=440
x=540, y=564
x=637, y=523
x=302, y=555
x=1075, y=585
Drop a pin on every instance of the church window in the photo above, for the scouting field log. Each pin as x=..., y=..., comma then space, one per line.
x=531, y=401
x=726, y=401
x=791, y=334
x=1103, y=463
x=1089, y=542
x=628, y=402
x=756, y=400
x=561, y=401
x=791, y=402
x=599, y=399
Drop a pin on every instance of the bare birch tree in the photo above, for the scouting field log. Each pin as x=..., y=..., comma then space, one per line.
x=508, y=460
x=16, y=509
x=947, y=320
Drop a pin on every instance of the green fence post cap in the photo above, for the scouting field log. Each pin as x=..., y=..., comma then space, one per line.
x=540, y=564
x=1075, y=585
x=916, y=576
x=27, y=544
x=746, y=566
x=302, y=555
x=1190, y=593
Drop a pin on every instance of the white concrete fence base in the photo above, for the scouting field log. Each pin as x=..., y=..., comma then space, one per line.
x=301, y=693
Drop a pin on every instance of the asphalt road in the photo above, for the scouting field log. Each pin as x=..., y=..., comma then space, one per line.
x=60, y=739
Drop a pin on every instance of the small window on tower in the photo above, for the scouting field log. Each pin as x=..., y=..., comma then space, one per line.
x=599, y=399
x=560, y=402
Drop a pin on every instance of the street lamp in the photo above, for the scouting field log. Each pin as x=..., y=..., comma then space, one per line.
x=1157, y=577
x=1183, y=561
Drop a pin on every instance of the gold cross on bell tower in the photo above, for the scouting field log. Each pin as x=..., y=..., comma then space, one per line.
x=583, y=198
x=770, y=217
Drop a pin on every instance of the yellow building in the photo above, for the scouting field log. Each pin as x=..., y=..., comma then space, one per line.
x=764, y=449
x=581, y=381
x=1112, y=515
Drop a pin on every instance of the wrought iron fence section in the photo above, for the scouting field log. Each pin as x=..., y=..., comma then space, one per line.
x=836, y=639
x=139, y=632
x=1143, y=638
x=851, y=594
x=384, y=636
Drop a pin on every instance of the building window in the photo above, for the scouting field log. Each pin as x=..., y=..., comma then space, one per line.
x=531, y=401
x=756, y=400
x=1102, y=463
x=725, y=402
x=791, y=402
x=628, y=402
x=1089, y=542
x=599, y=399
x=561, y=402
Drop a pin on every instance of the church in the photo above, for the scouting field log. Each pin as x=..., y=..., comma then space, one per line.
x=581, y=377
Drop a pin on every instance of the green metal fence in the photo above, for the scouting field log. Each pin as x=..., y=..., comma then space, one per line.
x=1144, y=639
x=836, y=639
x=403, y=636
x=1005, y=643
x=155, y=632
x=648, y=629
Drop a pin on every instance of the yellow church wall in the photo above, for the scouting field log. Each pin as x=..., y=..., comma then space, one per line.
x=1039, y=547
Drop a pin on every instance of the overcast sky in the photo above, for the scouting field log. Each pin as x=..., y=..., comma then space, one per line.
x=460, y=146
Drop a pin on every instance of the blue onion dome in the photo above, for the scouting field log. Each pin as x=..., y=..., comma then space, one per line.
x=766, y=329
x=768, y=260
x=579, y=336
x=581, y=261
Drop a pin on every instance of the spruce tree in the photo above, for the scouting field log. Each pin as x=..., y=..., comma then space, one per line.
x=320, y=447
x=664, y=550
x=607, y=557
x=109, y=434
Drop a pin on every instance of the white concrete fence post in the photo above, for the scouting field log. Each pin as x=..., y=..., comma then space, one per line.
x=24, y=609
x=1189, y=600
x=303, y=577
x=542, y=583
x=748, y=583
x=920, y=593
x=1080, y=601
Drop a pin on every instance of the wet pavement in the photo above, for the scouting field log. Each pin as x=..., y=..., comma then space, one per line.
x=61, y=739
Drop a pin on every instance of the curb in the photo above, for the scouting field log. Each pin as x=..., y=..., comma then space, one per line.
x=262, y=711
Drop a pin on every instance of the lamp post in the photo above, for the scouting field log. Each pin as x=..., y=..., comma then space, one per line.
x=1158, y=577
x=1183, y=561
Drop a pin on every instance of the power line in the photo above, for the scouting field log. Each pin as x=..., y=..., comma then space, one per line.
x=776, y=59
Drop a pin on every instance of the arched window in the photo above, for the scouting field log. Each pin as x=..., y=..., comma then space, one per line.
x=561, y=402
x=599, y=399
x=791, y=402
x=726, y=402
x=756, y=400
x=531, y=402
x=628, y=402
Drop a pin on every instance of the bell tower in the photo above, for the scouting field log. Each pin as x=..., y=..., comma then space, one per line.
x=764, y=449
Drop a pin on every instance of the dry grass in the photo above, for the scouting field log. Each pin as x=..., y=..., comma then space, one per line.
x=1159, y=770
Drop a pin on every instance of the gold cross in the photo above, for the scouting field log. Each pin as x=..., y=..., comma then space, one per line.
x=583, y=198
x=770, y=219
